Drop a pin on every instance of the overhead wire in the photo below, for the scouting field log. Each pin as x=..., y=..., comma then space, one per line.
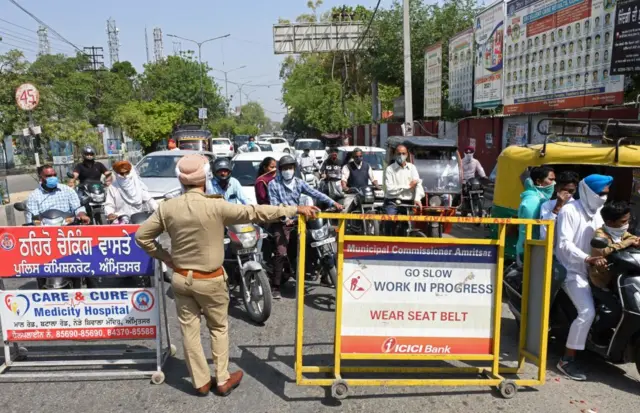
x=23, y=48
x=33, y=43
x=32, y=32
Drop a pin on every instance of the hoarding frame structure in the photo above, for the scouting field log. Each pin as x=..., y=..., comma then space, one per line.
x=15, y=356
x=317, y=37
x=532, y=344
x=624, y=54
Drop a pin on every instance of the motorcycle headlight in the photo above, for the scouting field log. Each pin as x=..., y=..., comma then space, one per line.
x=55, y=222
x=435, y=201
x=97, y=197
x=248, y=239
x=318, y=234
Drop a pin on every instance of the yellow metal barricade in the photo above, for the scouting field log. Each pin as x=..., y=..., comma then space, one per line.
x=536, y=290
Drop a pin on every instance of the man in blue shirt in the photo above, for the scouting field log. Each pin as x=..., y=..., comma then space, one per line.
x=286, y=189
x=225, y=185
x=51, y=195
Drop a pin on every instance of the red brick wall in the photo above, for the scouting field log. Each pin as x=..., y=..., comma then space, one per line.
x=477, y=129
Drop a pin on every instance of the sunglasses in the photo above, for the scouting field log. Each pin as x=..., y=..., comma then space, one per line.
x=50, y=175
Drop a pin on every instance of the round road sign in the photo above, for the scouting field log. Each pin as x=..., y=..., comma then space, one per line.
x=27, y=96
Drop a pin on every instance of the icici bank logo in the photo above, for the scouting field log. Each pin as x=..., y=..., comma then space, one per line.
x=389, y=344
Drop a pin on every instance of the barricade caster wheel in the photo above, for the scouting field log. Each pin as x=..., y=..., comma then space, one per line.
x=508, y=389
x=339, y=390
x=173, y=350
x=20, y=353
x=157, y=377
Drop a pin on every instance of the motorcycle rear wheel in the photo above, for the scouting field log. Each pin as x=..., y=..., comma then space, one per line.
x=333, y=276
x=257, y=279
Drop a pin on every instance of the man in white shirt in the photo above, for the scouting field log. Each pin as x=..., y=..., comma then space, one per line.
x=566, y=186
x=305, y=159
x=577, y=223
x=471, y=167
x=402, y=183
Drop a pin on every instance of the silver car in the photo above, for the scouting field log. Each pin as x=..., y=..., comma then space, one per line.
x=158, y=171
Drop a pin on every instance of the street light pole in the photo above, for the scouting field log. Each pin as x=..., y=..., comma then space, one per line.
x=200, y=62
x=226, y=84
x=240, y=89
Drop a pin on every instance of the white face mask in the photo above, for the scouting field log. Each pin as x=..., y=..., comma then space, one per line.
x=468, y=156
x=287, y=175
x=616, y=233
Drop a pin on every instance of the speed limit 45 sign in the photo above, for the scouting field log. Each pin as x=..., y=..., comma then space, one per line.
x=27, y=96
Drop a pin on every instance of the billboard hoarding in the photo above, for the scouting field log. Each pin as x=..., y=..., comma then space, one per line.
x=433, y=81
x=461, y=70
x=625, y=55
x=557, y=56
x=488, y=33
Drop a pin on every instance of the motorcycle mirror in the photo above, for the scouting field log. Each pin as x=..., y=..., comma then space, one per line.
x=70, y=175
x=227, y=241
x=599, y=243
x=20, y=206
x=264, y=235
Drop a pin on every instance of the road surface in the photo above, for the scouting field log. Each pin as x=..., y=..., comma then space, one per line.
x=266, y=354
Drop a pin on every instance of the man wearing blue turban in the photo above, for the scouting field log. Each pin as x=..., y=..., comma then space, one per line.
x=576, y=224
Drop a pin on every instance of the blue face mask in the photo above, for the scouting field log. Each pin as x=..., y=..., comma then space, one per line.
x=251, y=144
x=51, y=182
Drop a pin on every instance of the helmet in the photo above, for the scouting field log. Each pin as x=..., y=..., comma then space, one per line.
x=286, y=160
x=88, y=151
x=221, y=164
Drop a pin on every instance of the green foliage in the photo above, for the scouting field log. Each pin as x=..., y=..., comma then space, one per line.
x=150, y=121
x=177, y=79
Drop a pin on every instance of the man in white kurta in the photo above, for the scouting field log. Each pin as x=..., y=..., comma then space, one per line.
x=577, y=223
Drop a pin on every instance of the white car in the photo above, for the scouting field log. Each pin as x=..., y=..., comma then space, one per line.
x=279, y=144
x=371, y=155
x=316, y=147
x=158, y=171
x=244, y=167
x=222, y=148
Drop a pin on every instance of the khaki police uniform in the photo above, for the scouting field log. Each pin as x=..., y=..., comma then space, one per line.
x=195, y=223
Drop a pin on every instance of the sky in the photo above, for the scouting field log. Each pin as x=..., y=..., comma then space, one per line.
x=249, y=22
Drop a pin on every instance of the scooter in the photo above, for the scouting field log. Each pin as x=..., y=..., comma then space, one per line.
x=53, y=218
x=616, y=339
x=243, y=264
x=310, y=176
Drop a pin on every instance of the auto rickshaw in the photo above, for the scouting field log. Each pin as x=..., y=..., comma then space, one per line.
x=440, y=168
x=617, y=153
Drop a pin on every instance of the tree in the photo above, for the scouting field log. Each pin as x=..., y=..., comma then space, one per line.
x=125, y=69
x=177, y=79
x=253, y=114
x=13, y=67
x=149, y=122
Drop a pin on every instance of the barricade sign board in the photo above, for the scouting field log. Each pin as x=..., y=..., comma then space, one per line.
x=80, y=251
x=408, y=298
x=79, y=315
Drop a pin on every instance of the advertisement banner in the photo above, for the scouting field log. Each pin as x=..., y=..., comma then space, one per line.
x=461, y=70
x=74, y=251
x=558, y=55
x=433, y=81
x=402, y=298
x=79, y=315
x=488, y=33
x=625, y=55
x=61, y=152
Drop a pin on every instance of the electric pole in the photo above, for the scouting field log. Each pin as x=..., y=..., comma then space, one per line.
x=146, y=44
x=113, y=42
x=96, y=58
x=44, y=47
x=408, y=98
x=177, y=48
x=158, y=47
x=226, y=84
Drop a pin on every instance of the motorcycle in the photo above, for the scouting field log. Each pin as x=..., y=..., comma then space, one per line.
x=53, y=218
x=331, y=185
x=96, y=195
x=368, y=200
x=243, y=264
x=473, y=198
x=310, y=176
x=615, y=332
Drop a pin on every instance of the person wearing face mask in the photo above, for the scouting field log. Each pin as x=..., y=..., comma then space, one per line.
x=331, y=174
x=538, y=189
x=250, y=146
x=224, y=184
x=127, y=195
x=402, y=183
x=195, y=224
x=305, y=159
x=286, y=189
x=471, y=167
x=356, y=174
x=566, y=187
x=51, y=195
x=266, y=173
x=577, y=224
x=89, y=169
